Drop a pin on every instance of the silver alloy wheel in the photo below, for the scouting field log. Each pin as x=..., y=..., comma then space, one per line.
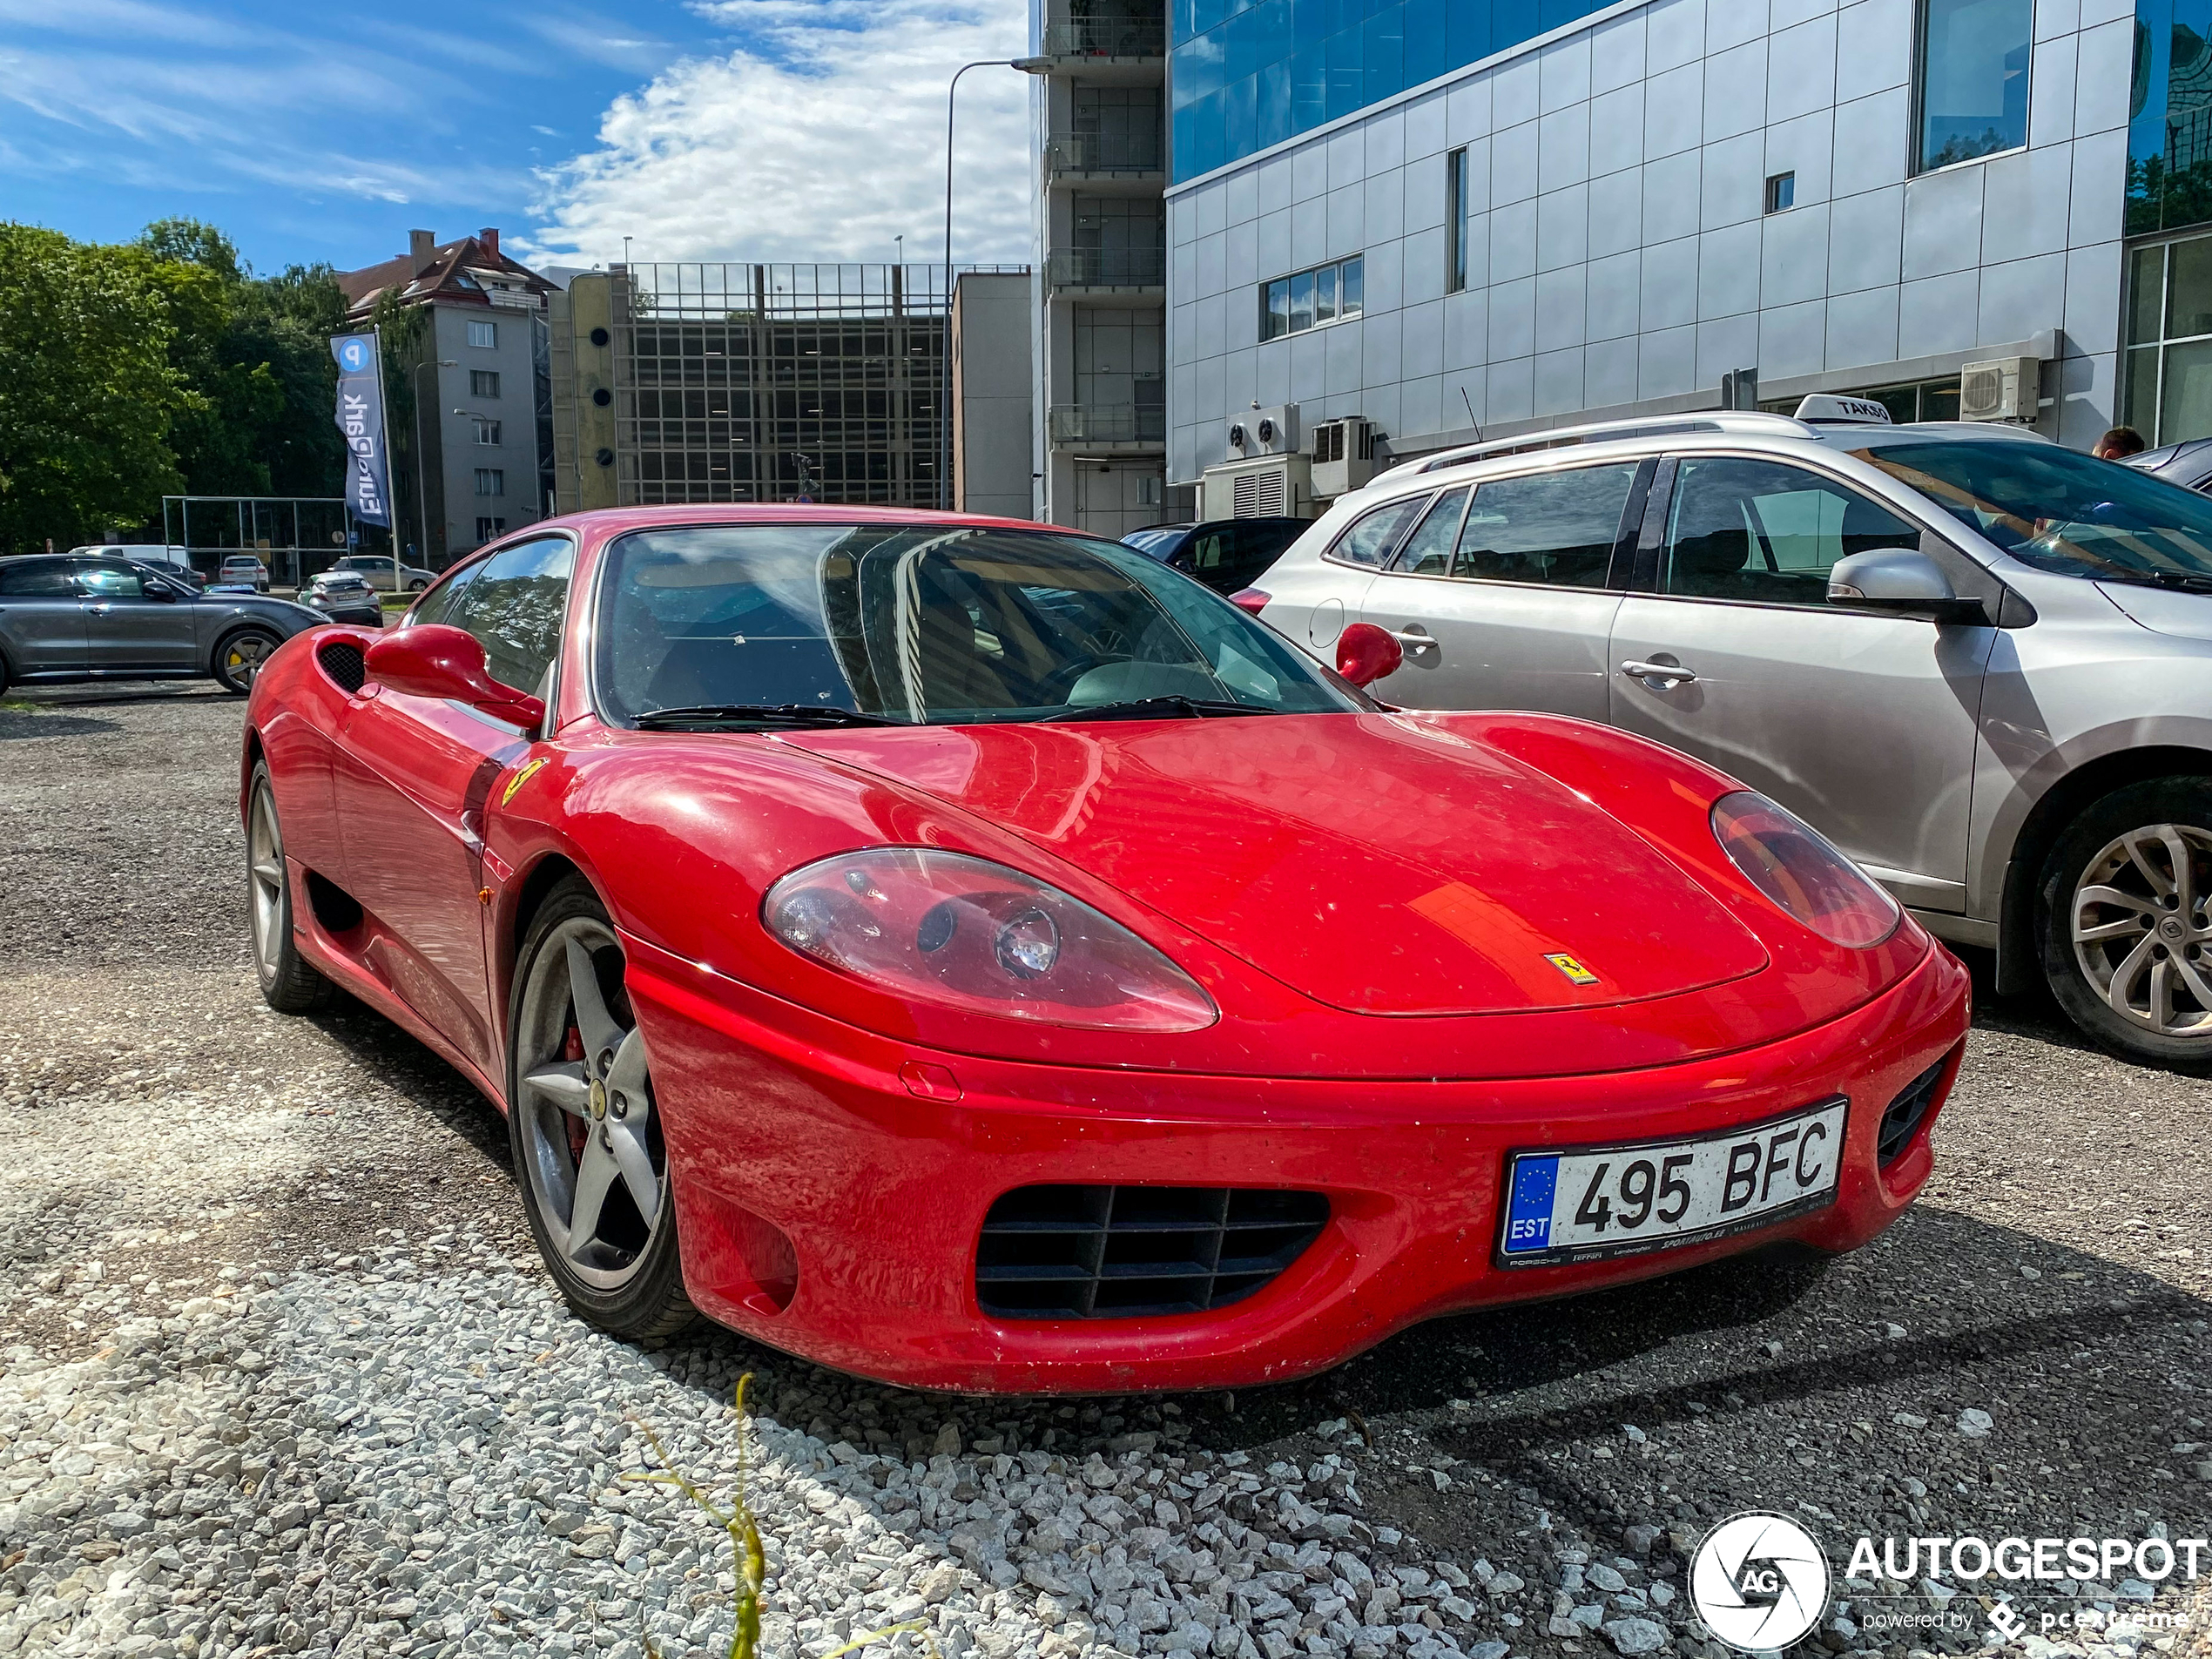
x=242, y=657
x=2141, y=935
x=598, y=1167
x=264, y=873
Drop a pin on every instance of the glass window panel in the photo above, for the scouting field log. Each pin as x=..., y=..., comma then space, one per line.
x=1428, y=550
x=1324, y=293
x=1302, y=301
x=2138, y=396
x=2185, y=395
x=2189, y=289
x=1973, y=69
x=1553, y=527
x=516, y=606
x=1770, y=534
x=2146, y=293
x=1372, y=537
x=1349, y=284
x=1455, y=219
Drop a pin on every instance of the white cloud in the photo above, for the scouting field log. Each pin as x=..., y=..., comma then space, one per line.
x=820, y=137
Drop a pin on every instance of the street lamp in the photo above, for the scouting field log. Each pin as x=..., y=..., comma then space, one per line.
x=1027, y=66
x=421, y=477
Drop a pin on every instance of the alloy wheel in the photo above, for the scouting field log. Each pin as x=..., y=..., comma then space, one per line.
x=265, y=866
x=243, y=656
x=2141, y=935
x=597, y=1164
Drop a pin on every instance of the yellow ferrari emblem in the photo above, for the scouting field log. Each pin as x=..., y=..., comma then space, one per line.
x=521, y=776
x=1568, y=965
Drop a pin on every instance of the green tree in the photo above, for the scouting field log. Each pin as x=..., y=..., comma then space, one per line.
x=88, y=393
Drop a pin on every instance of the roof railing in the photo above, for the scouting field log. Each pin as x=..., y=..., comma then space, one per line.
x=1607, y=432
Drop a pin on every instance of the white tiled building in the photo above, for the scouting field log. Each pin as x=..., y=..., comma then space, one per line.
x=1620, y=251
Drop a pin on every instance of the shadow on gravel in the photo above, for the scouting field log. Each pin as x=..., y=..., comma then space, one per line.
x=17, y=723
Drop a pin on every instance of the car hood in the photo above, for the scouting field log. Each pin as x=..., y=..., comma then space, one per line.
x=1373, y=862
x=2164, y=611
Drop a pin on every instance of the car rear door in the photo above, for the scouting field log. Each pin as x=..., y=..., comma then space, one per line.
x=414, y=776
x=1503, y=596
x=41, y=620
x=127, y=629
x=1863, y=724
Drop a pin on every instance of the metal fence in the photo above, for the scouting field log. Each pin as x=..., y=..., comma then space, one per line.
x=294, y=536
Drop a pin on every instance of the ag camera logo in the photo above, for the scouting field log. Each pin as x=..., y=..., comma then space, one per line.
x=1760, y=1581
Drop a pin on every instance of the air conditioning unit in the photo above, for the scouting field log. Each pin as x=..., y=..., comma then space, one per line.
x=1264, y=432
x=2004, y=388
x=1264, y=487
x=1343, y=456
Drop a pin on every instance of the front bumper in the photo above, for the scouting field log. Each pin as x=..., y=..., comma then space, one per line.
x=828, y=1210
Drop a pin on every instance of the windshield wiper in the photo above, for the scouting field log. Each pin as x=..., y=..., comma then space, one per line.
x=1159, y=708
x=759, y=714
x=2179, y=581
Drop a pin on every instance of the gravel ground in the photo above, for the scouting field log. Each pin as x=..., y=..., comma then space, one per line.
x=279, y=1372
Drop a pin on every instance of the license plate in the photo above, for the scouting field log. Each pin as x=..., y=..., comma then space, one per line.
x=1585, y=1203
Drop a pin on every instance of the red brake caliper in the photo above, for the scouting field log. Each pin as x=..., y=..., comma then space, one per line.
x=572, y=1049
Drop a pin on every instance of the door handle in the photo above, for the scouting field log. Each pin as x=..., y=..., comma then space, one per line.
x=1412, y=639
x=100, y=610
x=1652, y=674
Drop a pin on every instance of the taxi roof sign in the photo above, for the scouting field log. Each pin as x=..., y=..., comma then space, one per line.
x=1850, y=411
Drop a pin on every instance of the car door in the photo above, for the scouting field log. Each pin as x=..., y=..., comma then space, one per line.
x=413, y=777
x=1502, y=596
x=42, y=618
x=135, y=622
x=1863, y=724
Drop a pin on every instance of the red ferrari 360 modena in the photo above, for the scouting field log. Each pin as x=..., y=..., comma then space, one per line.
x=974, y=954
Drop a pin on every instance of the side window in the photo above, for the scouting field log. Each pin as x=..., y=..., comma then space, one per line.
x=35, y=579
x=1428, y=550
x=109, y=579
x=1206, y=552
x=1761, y=532
x=437, y=605
x=1254, y=547
x=1372, y=534
x=1556, y=528
x=515, y=605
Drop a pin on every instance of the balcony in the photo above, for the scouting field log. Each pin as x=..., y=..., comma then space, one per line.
x=1116, y=268
x=1133, y=425
x=1113, y=37
x=1103, y=154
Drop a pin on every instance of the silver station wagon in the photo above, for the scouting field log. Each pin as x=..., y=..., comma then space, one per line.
x=1979, y=662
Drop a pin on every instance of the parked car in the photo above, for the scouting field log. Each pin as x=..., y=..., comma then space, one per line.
x=377, y=571
x=344, y=595
x=1974, y=659
x=172, y=562
x=2186, y=464
x=240, y=569
x=1225, y=554
x=63, y=617
x=821, y=882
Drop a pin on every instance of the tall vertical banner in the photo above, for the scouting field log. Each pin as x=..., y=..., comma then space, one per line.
x=360, y=417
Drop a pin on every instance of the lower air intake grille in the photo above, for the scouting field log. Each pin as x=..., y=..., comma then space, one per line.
x=341, y=660
x=1904, y=1116
x=1117, y=1253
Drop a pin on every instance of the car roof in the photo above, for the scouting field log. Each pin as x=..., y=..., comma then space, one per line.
x=611, y=521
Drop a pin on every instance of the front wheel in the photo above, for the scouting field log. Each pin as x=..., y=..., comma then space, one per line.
x=2122, y=915
x=239, y=658
x=416, y=587
x=584, y=1125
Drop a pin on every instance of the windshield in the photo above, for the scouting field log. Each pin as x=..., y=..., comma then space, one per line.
x=926, y=624
x=2060, y=510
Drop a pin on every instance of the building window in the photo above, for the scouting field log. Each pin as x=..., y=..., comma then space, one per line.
x=1290, y=305
x=1455, y=221
x=488, y=527
x=483, y=382
x=2166, y=393
x=487, y=431
x=491, y=481
x=1972, y=94
x=1780, y=192
x=483, y=333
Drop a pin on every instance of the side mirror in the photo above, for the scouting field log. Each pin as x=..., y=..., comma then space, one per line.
x=1903, y=580
x=1366, y=653
x=434, y=660
x=156, y=589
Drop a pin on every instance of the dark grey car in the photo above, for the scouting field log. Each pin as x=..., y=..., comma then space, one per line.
x=65, y=617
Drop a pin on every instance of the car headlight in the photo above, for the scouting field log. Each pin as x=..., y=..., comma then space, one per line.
x=1792, y=863
x=974, y=935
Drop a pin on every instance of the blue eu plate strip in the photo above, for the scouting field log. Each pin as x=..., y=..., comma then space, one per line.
x=1528, y=1217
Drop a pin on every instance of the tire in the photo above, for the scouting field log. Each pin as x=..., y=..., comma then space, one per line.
x=239, y=657
x=582, y=1118
x=2140, y=984
x=4, y=674
x=417, y=587
x=289, y=984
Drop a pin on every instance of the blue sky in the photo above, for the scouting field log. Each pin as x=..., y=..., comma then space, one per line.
x=776, y=129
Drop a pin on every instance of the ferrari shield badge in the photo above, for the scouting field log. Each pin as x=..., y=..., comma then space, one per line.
x=1572, y=969
x=523, y=775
